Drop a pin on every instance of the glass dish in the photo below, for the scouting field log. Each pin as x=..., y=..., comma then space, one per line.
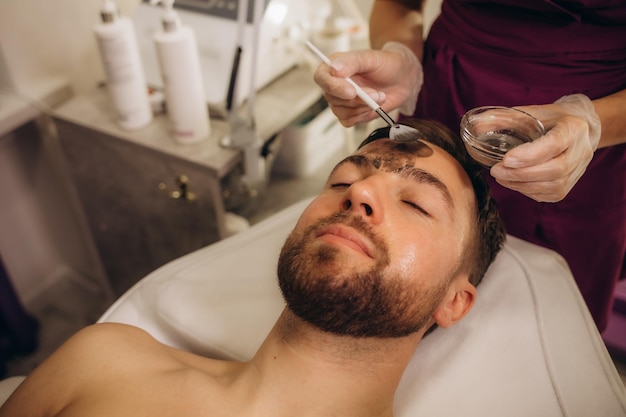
x=491, y=131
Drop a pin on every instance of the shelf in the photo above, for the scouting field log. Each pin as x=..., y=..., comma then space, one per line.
x=277, y=105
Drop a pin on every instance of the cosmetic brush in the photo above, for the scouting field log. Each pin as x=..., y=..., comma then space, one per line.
x=397, y=131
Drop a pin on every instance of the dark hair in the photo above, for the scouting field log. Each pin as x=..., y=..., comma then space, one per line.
x=488, y=233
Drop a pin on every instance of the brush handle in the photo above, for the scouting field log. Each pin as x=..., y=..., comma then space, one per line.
x=363, y=95
x=359, y=91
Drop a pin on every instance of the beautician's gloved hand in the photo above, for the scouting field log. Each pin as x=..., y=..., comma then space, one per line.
x=392, y=76
x=548, y=168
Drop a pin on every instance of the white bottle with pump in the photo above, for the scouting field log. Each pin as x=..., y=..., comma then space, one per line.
x=182, y=77
x=122, y=64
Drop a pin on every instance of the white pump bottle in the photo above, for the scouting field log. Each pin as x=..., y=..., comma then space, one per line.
x=122, y=64
x=177, y=51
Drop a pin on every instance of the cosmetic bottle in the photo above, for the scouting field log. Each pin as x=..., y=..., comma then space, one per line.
x=125, y=79
x=179, y=62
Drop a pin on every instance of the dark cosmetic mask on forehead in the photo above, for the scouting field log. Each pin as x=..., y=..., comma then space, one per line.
x=398, y=155
x=416, y=146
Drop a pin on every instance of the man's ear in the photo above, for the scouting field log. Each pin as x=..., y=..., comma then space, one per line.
x=457, y=303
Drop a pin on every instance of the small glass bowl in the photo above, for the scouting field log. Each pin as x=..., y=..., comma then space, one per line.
x=491, y=131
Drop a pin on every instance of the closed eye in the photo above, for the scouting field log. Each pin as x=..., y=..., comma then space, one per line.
x=416, y=207
x=340, y=185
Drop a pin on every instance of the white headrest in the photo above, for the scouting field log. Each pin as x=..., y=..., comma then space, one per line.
x=527, y=348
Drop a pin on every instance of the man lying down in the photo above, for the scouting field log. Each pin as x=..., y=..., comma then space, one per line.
x=394, y=244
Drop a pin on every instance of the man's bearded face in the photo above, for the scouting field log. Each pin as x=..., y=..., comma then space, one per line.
x=322, y=288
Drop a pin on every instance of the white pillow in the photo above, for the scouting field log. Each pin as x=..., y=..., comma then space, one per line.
x=527, y=348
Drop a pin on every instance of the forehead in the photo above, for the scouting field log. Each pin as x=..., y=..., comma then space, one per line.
x=390, y=156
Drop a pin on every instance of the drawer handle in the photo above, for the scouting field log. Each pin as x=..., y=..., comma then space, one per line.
x=183, y=193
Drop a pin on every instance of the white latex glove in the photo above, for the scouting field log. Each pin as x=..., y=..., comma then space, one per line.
x=547, y=168
x=392, y=76
x=415, y=85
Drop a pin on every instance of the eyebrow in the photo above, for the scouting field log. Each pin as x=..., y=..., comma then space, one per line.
x=417, y=175
x=424, y=177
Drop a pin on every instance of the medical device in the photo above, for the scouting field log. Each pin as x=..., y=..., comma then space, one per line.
x=217, y=32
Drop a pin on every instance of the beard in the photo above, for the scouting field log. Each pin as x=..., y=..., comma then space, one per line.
x=342, y=300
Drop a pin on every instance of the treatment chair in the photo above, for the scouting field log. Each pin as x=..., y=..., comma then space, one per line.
x=528, y=347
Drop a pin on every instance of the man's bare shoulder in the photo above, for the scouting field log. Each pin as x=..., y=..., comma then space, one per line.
x=101, y=358
x=120, y=348
x=108, y=348
x=112, y=340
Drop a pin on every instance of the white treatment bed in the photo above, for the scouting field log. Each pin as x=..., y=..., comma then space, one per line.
x=528, y=348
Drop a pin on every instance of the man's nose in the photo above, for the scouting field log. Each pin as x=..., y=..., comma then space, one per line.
x=363, y=199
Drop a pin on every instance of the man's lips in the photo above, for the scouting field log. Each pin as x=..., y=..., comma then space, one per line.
x=347, y=236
